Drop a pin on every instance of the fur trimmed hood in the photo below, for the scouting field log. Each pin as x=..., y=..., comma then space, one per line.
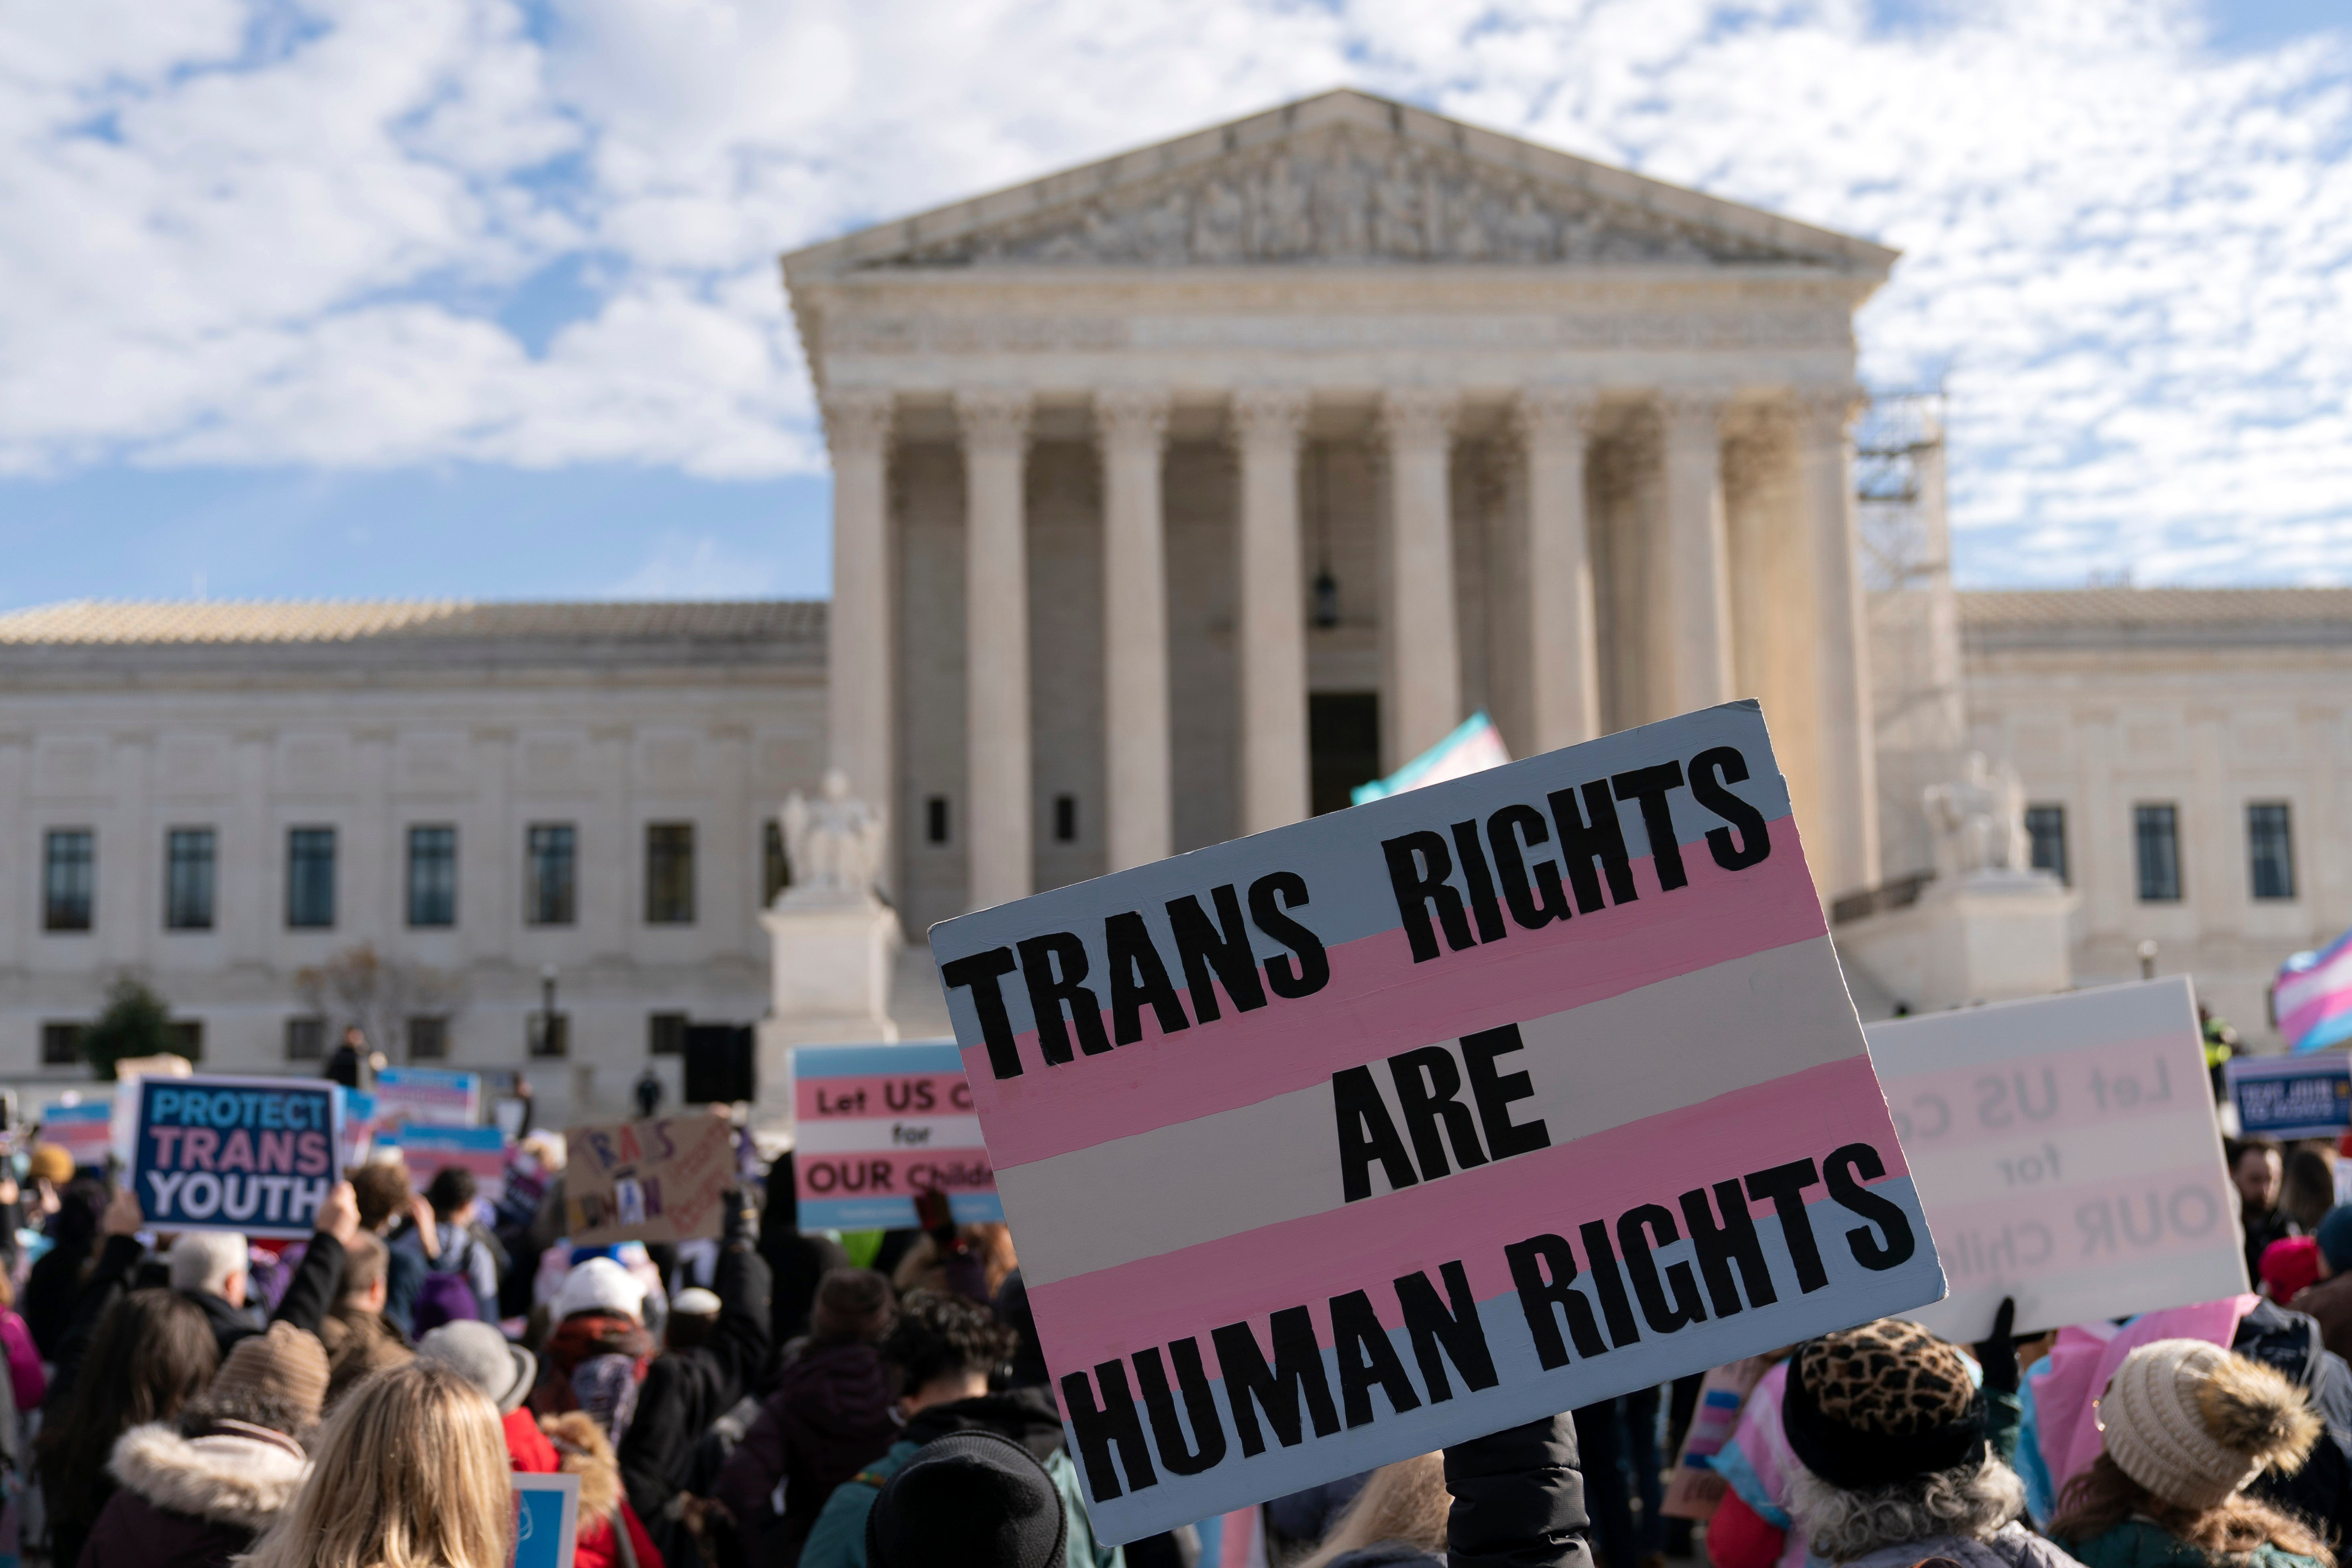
x=587, y=1453
x=225, y=1477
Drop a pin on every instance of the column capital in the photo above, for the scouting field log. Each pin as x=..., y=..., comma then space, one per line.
x=857, y=419
x=993, y=419
x=1131, y=416
x=1823, y=413
x=1418, y=416
x=1692, y=413
x=1549, y=415
x=1275, y=415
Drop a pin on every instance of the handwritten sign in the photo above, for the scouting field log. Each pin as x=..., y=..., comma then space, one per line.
x=2292, y=1097
x=2067, y=1153
x=874, y=1125
x=662, y=1180
x=250, y=1154
x=480, y=1149
x=1424, y=1119
x=547, y=1520
x=84, y=1130
x=432, y=1097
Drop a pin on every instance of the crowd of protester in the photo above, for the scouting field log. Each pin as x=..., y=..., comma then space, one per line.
x=361, y=1397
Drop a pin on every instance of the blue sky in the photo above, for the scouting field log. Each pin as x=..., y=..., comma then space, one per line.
x=304, y=298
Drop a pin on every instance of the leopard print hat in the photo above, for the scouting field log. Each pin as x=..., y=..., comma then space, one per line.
x=1882, y=1403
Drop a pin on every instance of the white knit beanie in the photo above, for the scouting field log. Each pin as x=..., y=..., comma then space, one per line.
x=2193, y=1423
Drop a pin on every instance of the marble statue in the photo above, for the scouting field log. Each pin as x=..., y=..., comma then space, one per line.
x=1979, y=822
x=836, y=843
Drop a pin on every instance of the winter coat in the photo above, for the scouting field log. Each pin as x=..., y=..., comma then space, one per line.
x=577, y=1339
x=48, y=1297
x=359, y=1342
x=2290, y=1342
x=684, y=1391
x=193, y=1502
x=829, y=1418
x=585, y=1453
x=2010, y=1546
x=1026, y=1415
x=2330, y=1301
x=1387, y=1554
x=26, y=1382
x=317, y=1281
x=1519, y=1499
x=2143, y=1543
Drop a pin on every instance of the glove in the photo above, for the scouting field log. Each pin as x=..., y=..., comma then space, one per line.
x=1998, y=1353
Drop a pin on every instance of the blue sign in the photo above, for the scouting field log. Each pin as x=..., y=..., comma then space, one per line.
x=2292, y=1097
x=547, y=1520
x=251, y=1155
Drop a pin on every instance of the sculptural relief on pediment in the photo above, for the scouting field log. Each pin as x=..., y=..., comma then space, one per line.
x=1342, y=197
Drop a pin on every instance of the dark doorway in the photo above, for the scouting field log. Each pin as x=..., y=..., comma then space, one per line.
x=1343, y=744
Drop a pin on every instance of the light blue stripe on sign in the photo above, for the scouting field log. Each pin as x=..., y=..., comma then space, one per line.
x=865, y=1061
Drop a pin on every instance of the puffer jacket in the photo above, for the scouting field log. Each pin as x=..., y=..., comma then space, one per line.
x=2010, y=1546
x=2142, y=1543
x=1519, y=1499
x=828, y=1419
x=193, y=1502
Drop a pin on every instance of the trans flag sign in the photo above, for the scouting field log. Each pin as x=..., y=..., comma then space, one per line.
x=2314, y=997
x=250, y=1154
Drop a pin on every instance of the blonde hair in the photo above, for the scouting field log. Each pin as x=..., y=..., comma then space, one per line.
x=410, y=1472
x=1405, y=1501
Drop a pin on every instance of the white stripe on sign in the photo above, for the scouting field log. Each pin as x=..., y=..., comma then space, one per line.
x=873, y=1134
x=1733, y=1026
x=2035, y=1162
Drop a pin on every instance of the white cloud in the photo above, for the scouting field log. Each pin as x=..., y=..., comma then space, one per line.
x=680, y=566
x=252, y=234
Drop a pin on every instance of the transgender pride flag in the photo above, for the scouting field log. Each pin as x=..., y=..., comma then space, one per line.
x=2314, y=996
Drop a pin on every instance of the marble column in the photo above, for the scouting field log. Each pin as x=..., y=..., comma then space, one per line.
x=1271, y=629
x=1697, y=604
x=1563, y=652
x=1424, y=648
x=860, y=715
x=1131, y=427
x=1847, y=759
x=995, y=430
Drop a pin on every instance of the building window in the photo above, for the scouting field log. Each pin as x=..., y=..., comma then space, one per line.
x=432, y=876
x=305, y=1040
x=429, y=1038
x=2045, y=827
x=311, y=877
x=188, y=878
x=549, y=1035
x=187, y=1037
x=2156, y=837
x=61, y=1045
x=775, y=869
x=666, y=1034
x=1066, y=819
x=554, y=856
x=935, y=819
x=669, y=873
x=2269, y=848
x=68, y=877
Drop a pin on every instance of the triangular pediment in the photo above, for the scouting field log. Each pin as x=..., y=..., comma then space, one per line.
x=1341, y=179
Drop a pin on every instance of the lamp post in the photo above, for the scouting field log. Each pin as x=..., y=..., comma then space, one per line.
x=547, y=1042
x=2147, y=959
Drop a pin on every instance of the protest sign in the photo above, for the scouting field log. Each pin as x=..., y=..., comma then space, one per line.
x=2067, y=1154
x=251, y=1155
x=1693, y=1489
x=84, y=1130
x=661, y=1180
x=431, y=1097
x=874, y=1125
x=480, y=1149
x=547, y=1520
x=2292, y=1097
x=359, y=1128
x=1430, y=1117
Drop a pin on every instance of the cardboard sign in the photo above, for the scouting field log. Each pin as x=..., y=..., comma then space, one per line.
x=431, y=1097
x=546, y=1520
x=2067, y=1153
x=2292, y=1097
x=250, y=1154
x=874, y=1125
x=83, y=1130
x=662, y=1180
x=1431, y=1117
x=481, y=1150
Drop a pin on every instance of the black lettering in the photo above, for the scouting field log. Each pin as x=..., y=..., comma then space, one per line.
x=1137, y=977
x=1494, y=1092
x=1785, y=1186
x=980, y=971
x=1546, y=902
x=1041, y=958
x=1099, y=1429
x=1482, y=884
x=1367, y=1360
x=1296, y=1376
x=1677, y=1302
x=1608, y=1284
x=1709, y=791
x=1582, y=843
x=1208, y=1445
x=1649, y=786
x=1458, y=1332
x=1538, y=1297
x=1223, y=947
x=1720, y=1245
x=1426, y=1101
x=1841, y=1169
x=1366, y=1134
x=1418, y=867
x=1314, y=967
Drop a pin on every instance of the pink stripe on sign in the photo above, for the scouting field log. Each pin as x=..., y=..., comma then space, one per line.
x=881, y=1095
x=1471, y=1215
x=1378, y=1002
x=892, y=1174
x=1961, y=1106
